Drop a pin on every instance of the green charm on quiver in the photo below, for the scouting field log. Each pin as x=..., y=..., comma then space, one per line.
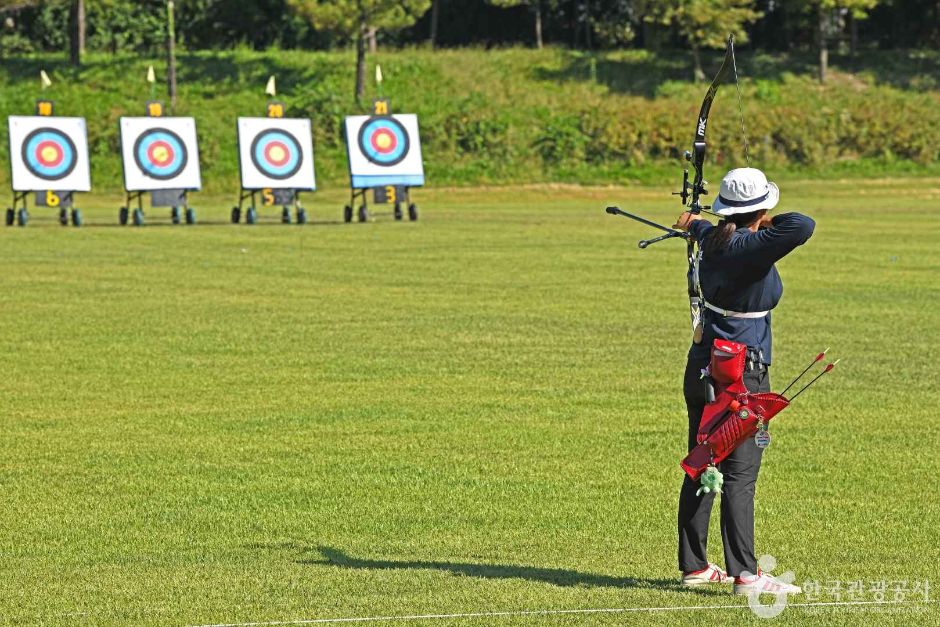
x=712, y=480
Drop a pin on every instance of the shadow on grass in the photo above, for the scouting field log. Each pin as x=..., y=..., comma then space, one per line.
x=556, y=576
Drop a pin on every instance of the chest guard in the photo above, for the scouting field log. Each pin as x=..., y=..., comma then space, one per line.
x=735, y=415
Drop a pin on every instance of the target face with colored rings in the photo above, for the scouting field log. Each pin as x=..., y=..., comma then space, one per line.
x=383, y=141
x=49, y=154
x=276, y=154
x=160, y=154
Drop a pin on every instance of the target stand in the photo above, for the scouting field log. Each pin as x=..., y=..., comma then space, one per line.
x=48, y=157
x=160, y=157
x=384, y=153
x=275, y=158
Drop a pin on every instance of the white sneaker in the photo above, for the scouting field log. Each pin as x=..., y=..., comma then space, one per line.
x=763, y=583
x=710, y=574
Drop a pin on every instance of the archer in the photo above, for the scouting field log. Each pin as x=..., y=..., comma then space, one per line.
x=733, y=285
x=738, y=285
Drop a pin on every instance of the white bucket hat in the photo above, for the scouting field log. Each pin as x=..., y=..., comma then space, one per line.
x=744, y=190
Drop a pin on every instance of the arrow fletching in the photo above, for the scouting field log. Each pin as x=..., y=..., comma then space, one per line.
x=828, y=368
x=819, y=358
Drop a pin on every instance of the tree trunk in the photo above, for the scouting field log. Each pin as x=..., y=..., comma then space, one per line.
x=171, y=53
x=373, y=44
x=650, y=38
x=823, y=49
x=361, y=59
x=77, y=32
x=697, y=71
x=936, y=21
x=853, y=34
x=587, y=26
x=435, y=14
x=538, y=24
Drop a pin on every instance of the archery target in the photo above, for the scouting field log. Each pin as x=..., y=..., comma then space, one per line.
x=383, y=141
x=49, y=153
x=276, y=153
x=384, y=150
x=160, y=153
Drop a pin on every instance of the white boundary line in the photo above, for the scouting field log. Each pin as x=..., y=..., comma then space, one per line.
x=613, y=610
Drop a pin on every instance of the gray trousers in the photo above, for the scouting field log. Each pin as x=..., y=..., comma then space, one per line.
x=737, y=494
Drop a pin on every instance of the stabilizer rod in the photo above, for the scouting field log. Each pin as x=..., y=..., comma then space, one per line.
x=644, y=243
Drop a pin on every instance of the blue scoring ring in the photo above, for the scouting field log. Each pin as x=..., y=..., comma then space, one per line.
x=371, y=131
x=276, y=154
x=63, y=165
x=178, y=157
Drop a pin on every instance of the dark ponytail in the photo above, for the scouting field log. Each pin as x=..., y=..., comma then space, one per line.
x=719, y=237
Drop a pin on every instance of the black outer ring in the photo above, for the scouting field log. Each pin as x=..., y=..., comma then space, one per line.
x=393, y=122
x=161, y=177
x=271, y=175
x=68, y=140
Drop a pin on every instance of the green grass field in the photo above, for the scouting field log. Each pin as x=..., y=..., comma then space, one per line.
x=477, y=412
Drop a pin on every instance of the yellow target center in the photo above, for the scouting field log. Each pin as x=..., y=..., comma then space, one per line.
x=161, y=154
x=383, y=141
x=277, y=154
x=49, y=154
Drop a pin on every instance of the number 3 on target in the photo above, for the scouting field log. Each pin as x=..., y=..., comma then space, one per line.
x=52, y=199
x=390, y=194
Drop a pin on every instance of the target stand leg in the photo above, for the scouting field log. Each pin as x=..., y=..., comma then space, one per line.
x=190, y=213
x=348, y=209
x=412, y=207
x=363, y=212
x=299, y=211
x=18, y=214
x=137, y=214
x=138, y=217
x=251, y=214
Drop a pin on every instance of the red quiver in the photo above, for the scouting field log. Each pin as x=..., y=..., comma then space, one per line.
x=735, y=413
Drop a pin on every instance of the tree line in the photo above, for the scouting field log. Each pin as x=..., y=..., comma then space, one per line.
x=772, y=25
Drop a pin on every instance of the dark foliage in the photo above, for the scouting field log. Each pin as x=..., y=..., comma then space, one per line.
x=126, y=25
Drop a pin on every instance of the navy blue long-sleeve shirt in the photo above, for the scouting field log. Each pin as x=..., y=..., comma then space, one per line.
x=743, y=278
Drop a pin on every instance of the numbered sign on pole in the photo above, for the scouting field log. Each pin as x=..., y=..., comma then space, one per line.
x=160, y=153
x=276, y=153
x=384, y=150
x=49, y=153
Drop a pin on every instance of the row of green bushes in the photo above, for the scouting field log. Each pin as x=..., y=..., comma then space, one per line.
x=506, y=116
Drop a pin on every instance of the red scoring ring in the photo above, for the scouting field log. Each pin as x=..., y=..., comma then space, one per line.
x=393, y=141
x=153, y=157
x=284, y=151
x=60, y=154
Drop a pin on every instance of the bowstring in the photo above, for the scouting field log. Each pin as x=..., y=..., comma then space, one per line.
x=737, y=87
